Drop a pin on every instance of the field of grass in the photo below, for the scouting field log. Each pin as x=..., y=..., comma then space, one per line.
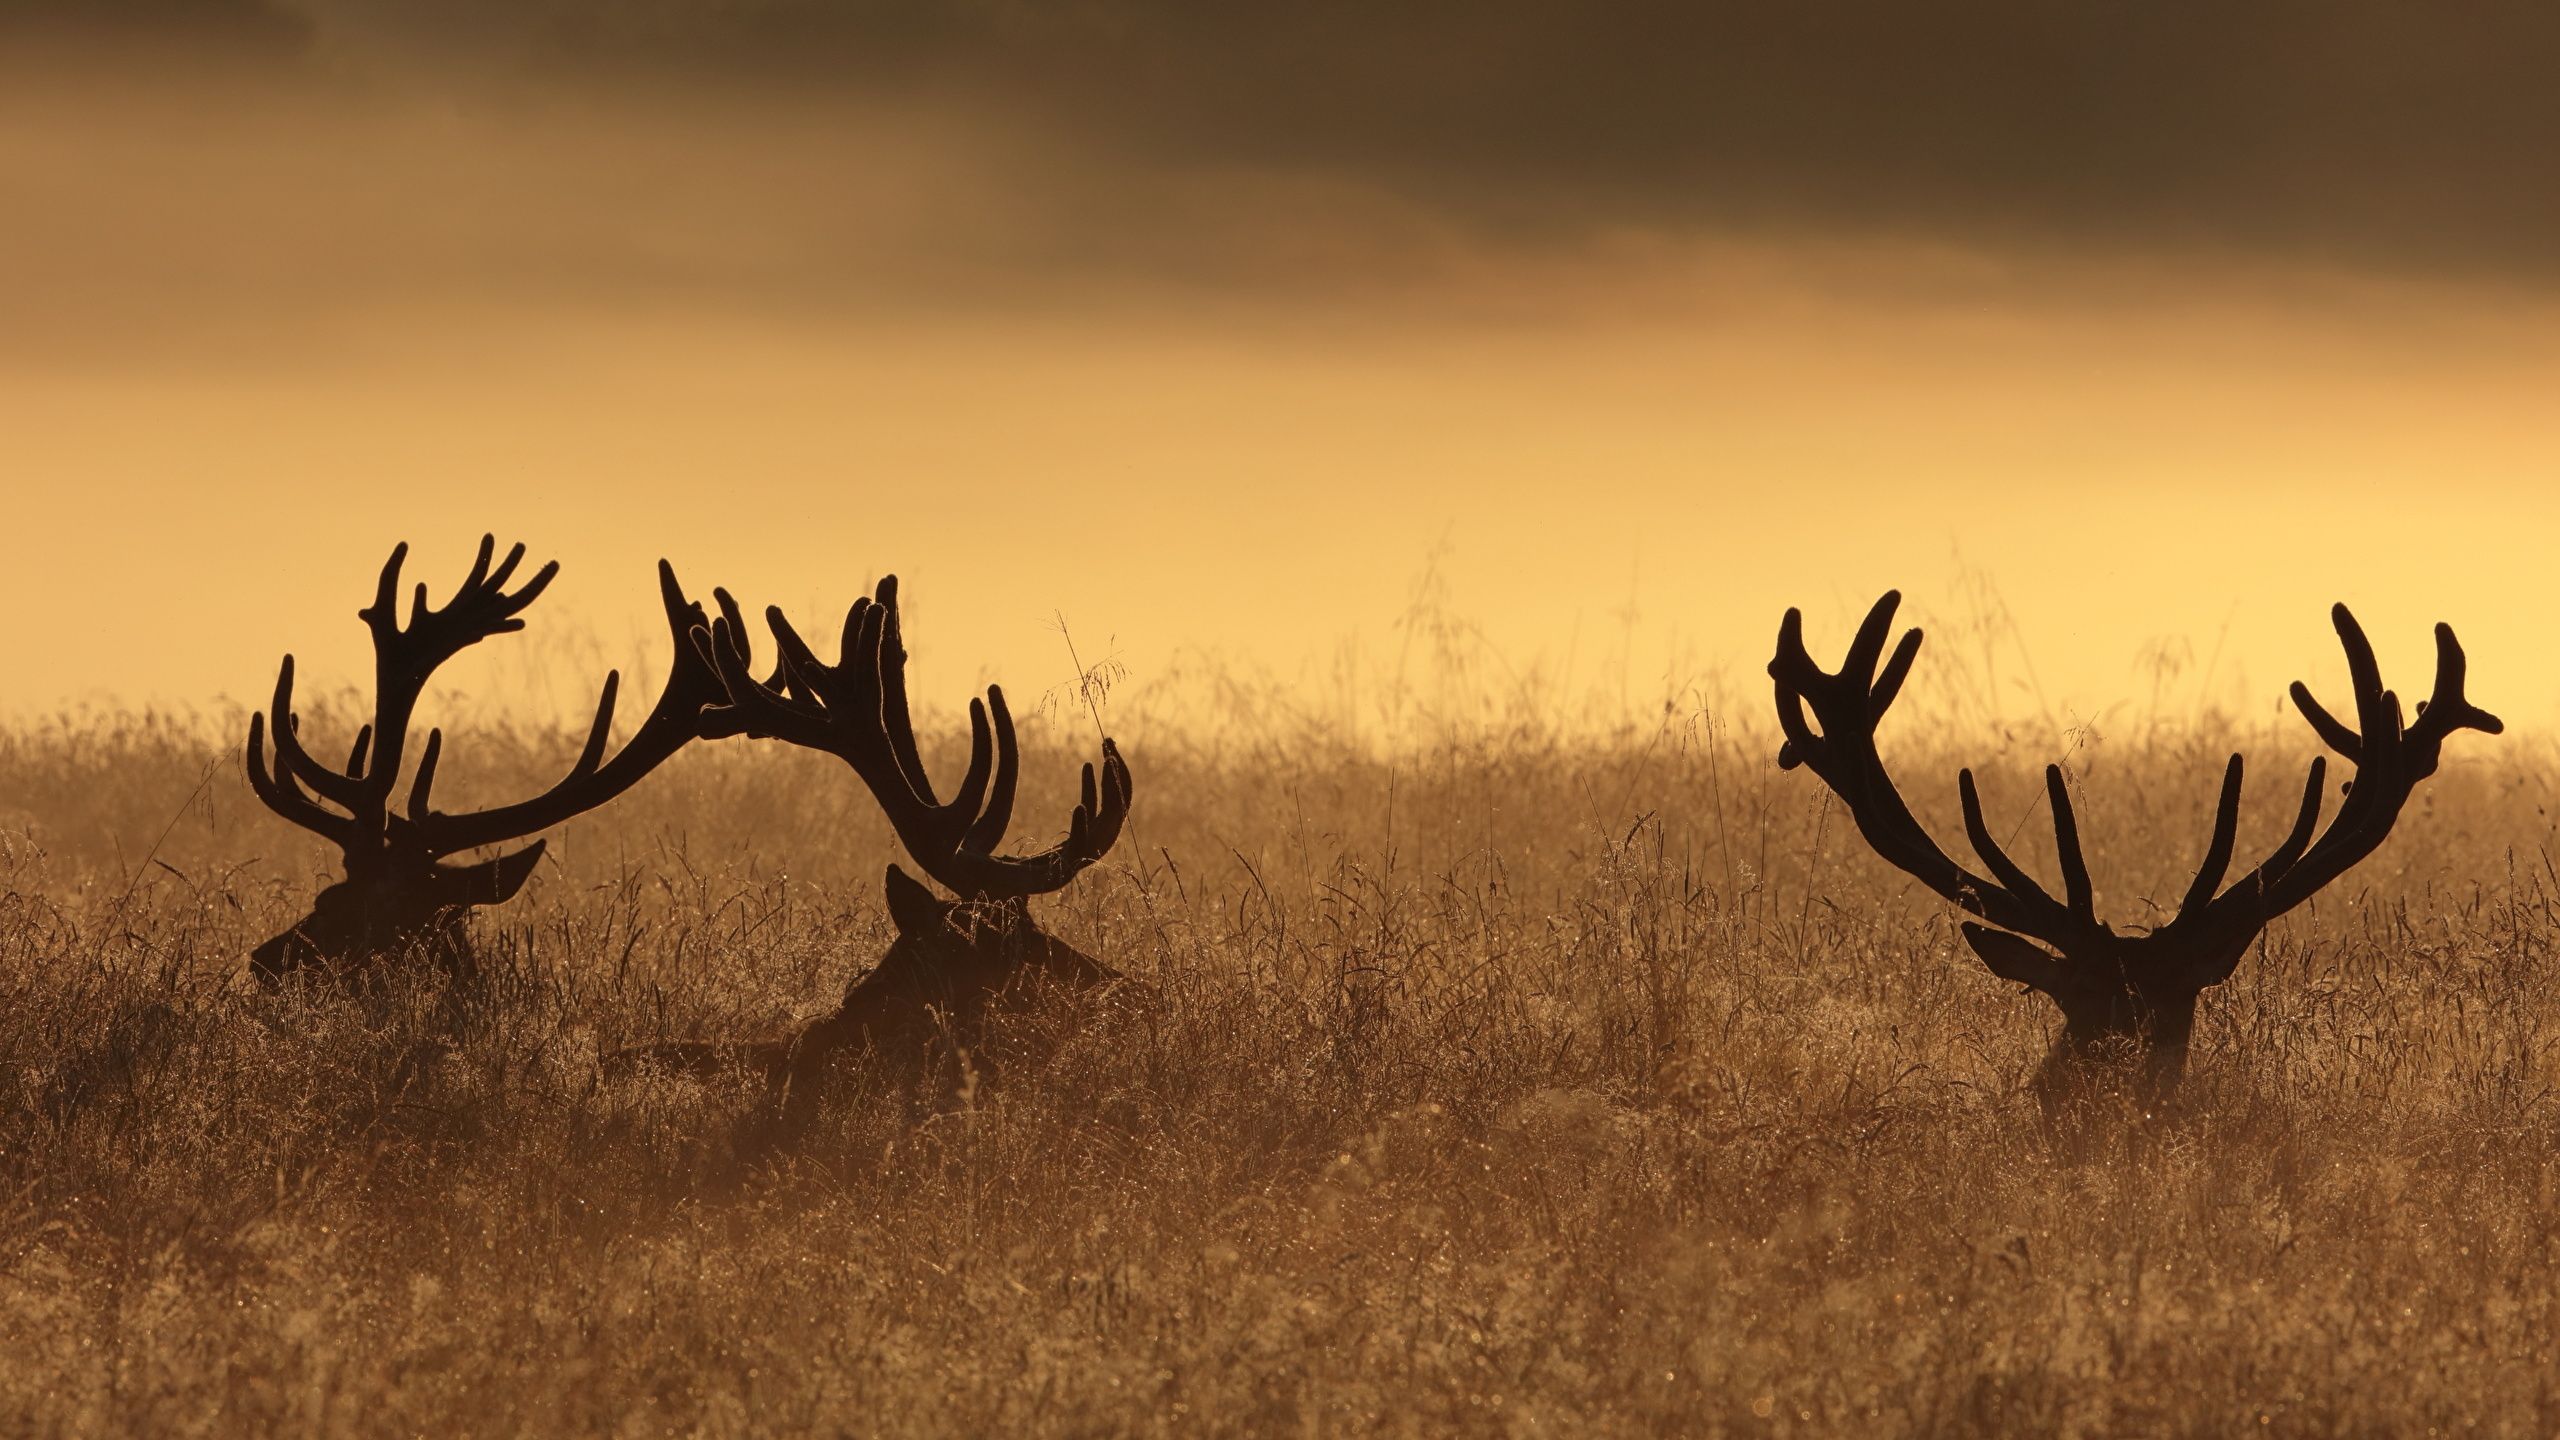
x=1513, y=1081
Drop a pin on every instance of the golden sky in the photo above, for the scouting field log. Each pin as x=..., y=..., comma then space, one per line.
x=261, y=324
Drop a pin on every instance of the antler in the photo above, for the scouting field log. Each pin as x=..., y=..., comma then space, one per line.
x=856, y=710
x=282, y=789
x=2389, y=761
x=690, y=702
x=404, y=657
x=1843, y=753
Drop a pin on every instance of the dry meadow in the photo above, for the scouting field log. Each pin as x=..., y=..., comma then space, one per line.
x=1513, y=1078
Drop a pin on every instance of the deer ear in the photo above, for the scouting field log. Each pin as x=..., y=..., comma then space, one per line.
x=2014, y=959
x=490, y=882
x=914, y=909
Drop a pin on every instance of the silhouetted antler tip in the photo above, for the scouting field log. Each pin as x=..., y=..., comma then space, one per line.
x=386, y=589
x=1866, y=648
x=1793, y=665
x=1897, y=668
x=2390, y=758
x=2350, y=630
x=2453, y=670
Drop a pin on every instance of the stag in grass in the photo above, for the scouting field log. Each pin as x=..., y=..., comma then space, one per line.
x=2122, y=995
x=403, y=895
x=957, y=964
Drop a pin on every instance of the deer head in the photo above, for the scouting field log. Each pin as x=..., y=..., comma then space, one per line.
x=403, y=892
x=962, y=954
x=957, y=961
x=2119, y=993
x=953, y=966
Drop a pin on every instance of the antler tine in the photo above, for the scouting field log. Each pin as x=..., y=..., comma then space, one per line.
x=422, y=789
x=464, y=832
x=858, y=710
x=1867, y=646
x=2332, y=734
x=764, y=705
x=707, y=638
x=342, y=788
x=1112, y=812
x=2305, y=821
x=1092, y=830
x=2226, y=832
x=1794, y=671
x=883, y=655
x=2225, y=924
x=2364, y=678
x=883, y=746
x=1798, y=676
x=2447, y=709
x=968, y=804
x=1896, y=670
x=591, y=754
x=481, y=606
x=1848, y=703
x=280, y=794
x=381, y=616
x=2269, y=889
x=470, y=582
x=404, y=656
x=2077, y=894
x=779, y=679
x=888, y=656
x=2390, y=759
x=2048, y=917
x=506, y=568
x=987, y=831
x=794, y=703
x=696, y=686
x=850, y=644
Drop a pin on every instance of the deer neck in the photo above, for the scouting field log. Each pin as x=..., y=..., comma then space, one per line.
x=2126, y=1034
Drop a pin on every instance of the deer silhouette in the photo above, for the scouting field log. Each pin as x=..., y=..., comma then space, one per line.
x=2121, y=995
x=956, y=964
x=403, y=895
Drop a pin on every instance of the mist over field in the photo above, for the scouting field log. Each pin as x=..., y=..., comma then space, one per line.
x=1532, y=1083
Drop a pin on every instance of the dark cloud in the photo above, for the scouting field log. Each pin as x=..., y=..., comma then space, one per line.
x=2361, y=130
x=219, y=28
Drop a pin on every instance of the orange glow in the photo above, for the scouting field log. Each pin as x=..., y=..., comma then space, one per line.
x=251, y=343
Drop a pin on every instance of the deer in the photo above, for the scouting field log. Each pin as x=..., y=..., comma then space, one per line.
x=403, y=895
x=2124, y=996
x=956, y=965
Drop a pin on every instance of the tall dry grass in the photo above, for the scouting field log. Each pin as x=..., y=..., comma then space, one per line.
x=1513, y=1078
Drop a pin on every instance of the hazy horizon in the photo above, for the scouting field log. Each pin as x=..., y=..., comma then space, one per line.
x=1204, y=377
